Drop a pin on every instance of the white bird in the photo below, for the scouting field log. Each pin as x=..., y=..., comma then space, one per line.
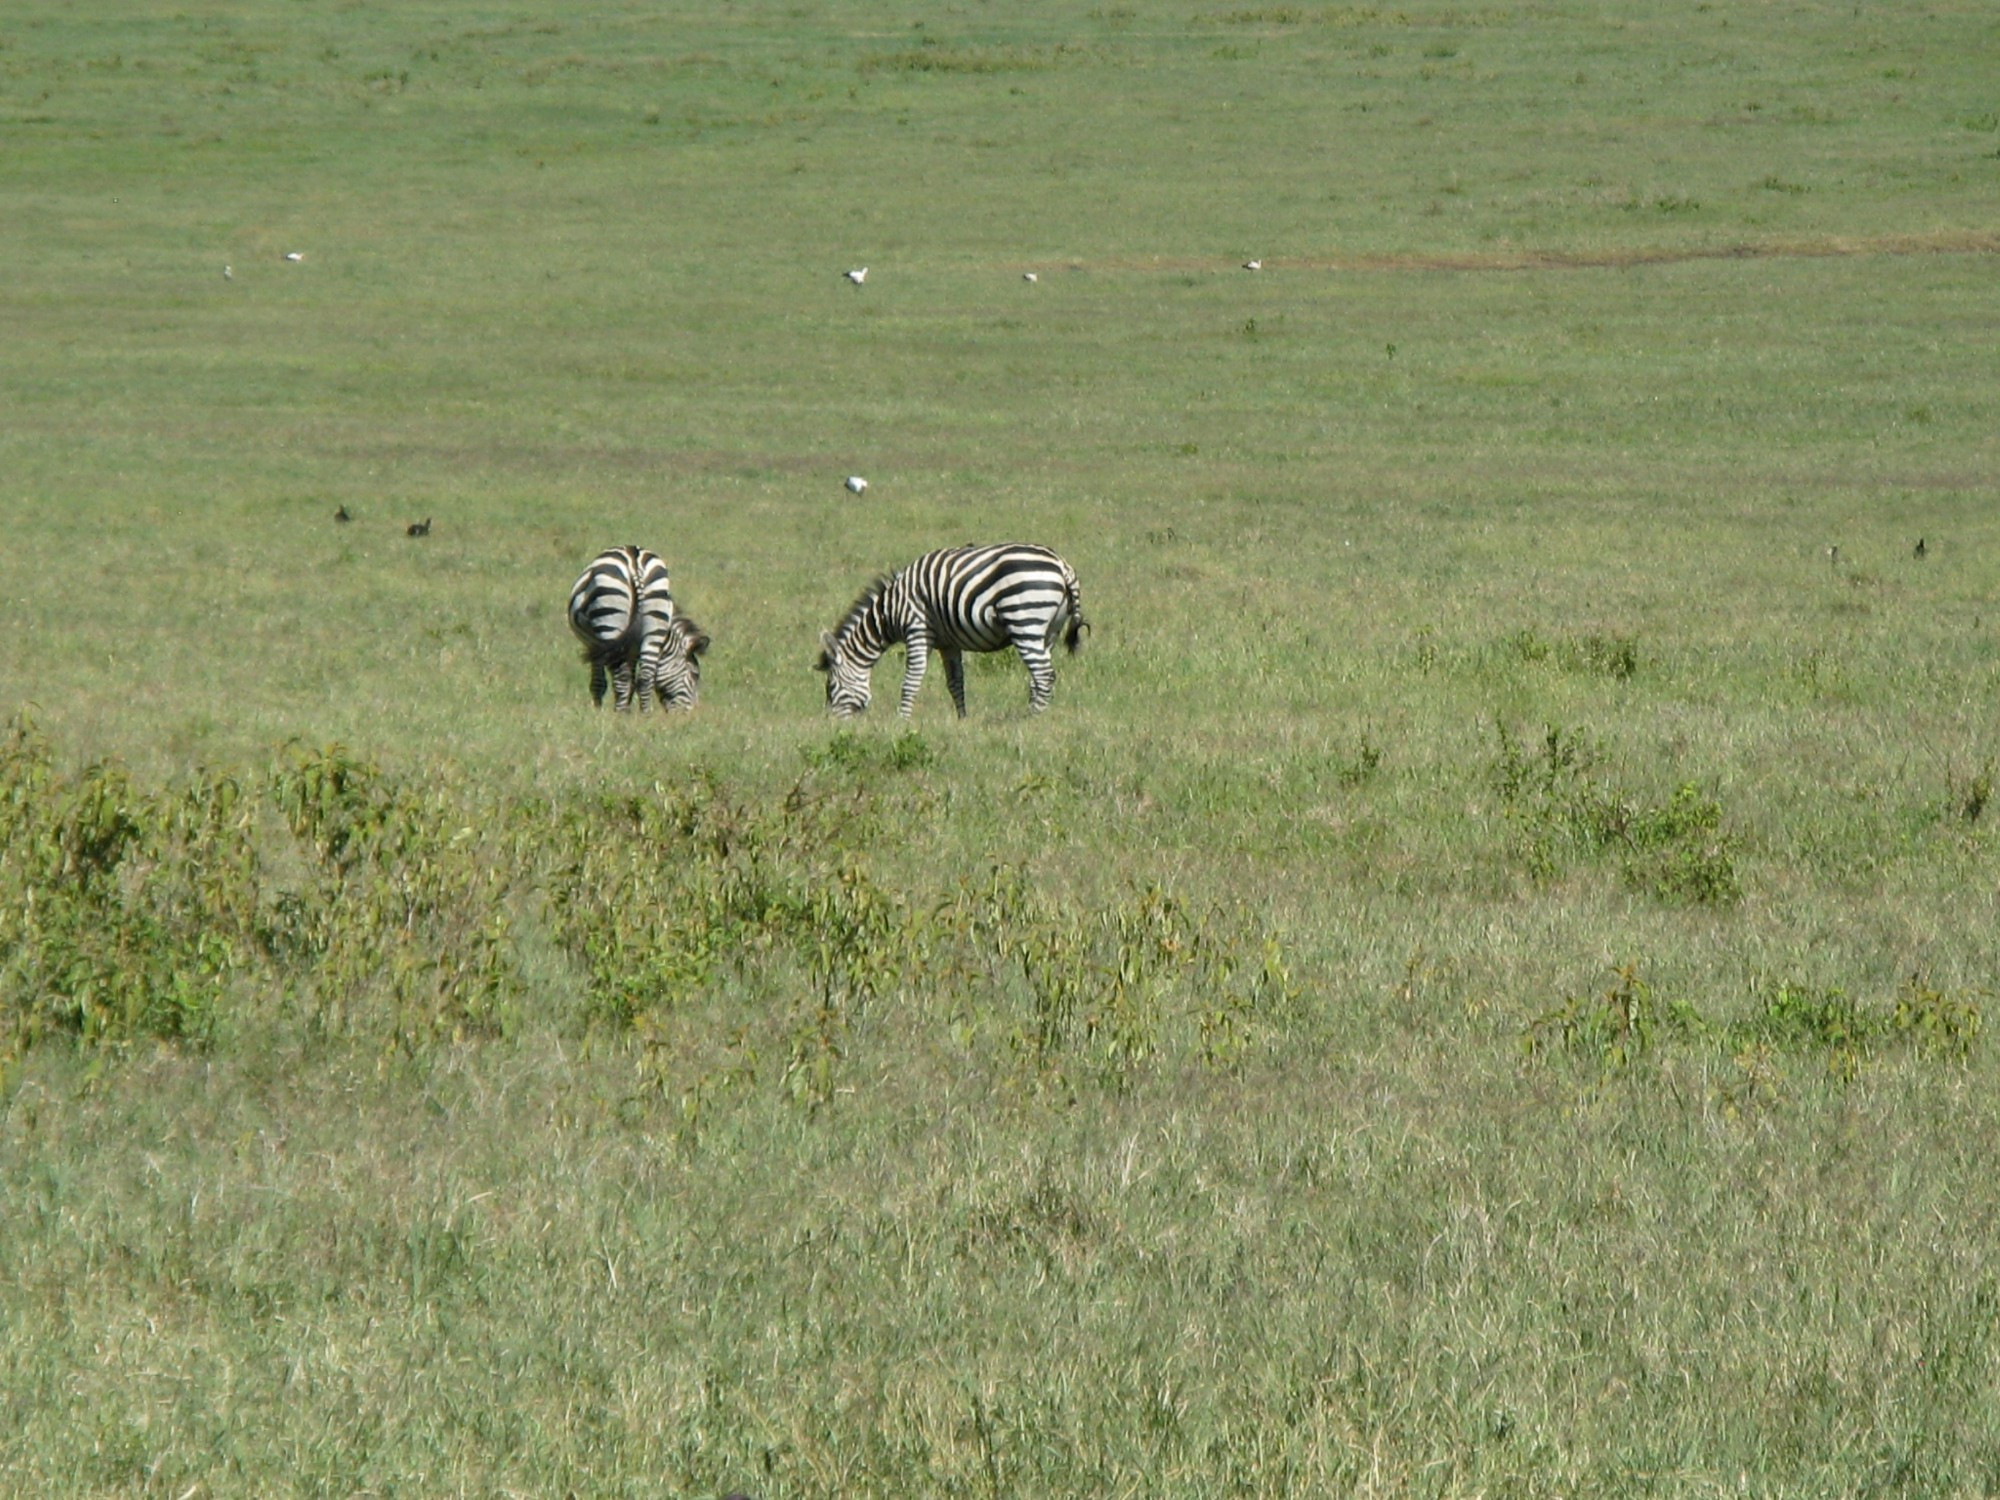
x=227, y=274
x=857, y=277
x=1028, y=276
x=1253, y=265
x=295, y=255
x=856, y=483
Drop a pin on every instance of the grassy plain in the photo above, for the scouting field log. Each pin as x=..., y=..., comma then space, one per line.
x=1490, y=1001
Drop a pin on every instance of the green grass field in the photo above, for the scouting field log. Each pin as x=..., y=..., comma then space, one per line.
x=1475, y=987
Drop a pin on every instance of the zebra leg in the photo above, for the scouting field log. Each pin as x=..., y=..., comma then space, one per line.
x=621, y=683
x=954, y=676
x=1041, y=673
x=918, y=649
x=644, y=679
x=598, y=681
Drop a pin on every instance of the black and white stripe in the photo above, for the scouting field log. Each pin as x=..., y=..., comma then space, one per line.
x=671, y=662
x=957, y=600
x=623, y=611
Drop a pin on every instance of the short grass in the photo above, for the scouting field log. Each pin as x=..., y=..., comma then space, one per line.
x=1473, y=988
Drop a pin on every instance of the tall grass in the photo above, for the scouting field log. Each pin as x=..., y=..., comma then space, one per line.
x=1477, y=985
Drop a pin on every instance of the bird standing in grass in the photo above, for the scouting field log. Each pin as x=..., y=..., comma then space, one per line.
x=420, y=528
x=1919, y=550
x=342, y=516
x=857, y=277
x=856, y=484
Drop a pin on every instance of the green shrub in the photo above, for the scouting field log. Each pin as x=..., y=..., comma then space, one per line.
x=1844, y=1029
x=1107, y=988
x=1566, y=808
x=1940, y=1020
x=384, y=906
x=1968, y=793
x=1801, y=1016
x=403, y=914
x=668, y=899
x=124, y=912
x=1614, y=1027
x=1593, y=654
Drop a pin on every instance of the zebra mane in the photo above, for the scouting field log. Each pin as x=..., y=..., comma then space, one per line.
x=870, y=597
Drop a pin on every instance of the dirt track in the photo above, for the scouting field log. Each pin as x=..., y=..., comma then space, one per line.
x=1945, y=242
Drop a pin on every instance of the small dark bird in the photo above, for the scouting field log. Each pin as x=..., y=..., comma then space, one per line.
x=342, y=515
x=1920, y=549
x=420, y=528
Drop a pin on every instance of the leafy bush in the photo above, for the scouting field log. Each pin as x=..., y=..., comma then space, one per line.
x=1594, y=653
x=385, y=907
x=1616, y=1026
x=1566, y=808
x=846, y=750
x=666, y=900
x=1678, y=851
x=1969, y=793
x=404, y=901
x=1845, y=1028
x=1621, y=1023
x=128, y=912
x=1107, y=987
x=123, y=912
x=1942, y=1021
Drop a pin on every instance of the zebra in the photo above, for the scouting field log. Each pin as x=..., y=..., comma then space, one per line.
x=959, y=599
x=676, y=663
x=623, y=612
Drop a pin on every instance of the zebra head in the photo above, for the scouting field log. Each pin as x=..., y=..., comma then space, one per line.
x=676, y=674
x=847, y=676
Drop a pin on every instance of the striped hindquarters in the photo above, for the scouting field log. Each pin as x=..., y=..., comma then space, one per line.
x=621, y=601
x=986, y=598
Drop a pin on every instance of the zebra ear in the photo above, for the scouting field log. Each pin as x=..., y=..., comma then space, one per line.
x=825, y=662
x=694, y=640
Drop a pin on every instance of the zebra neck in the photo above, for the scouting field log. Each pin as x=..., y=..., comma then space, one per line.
x=874, y=630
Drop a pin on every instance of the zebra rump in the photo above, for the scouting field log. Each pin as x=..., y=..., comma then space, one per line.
x=958, y=599
x=622, y=610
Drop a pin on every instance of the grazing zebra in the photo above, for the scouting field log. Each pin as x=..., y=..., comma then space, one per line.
x=675, y=655
x=960, y=599
x=623, y=612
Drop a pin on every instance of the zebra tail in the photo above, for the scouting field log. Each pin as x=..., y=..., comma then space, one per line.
x=607, y=653
x=1073, y=637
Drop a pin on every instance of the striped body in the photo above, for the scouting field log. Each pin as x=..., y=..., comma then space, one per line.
x=623, y=612
x=958, y=600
